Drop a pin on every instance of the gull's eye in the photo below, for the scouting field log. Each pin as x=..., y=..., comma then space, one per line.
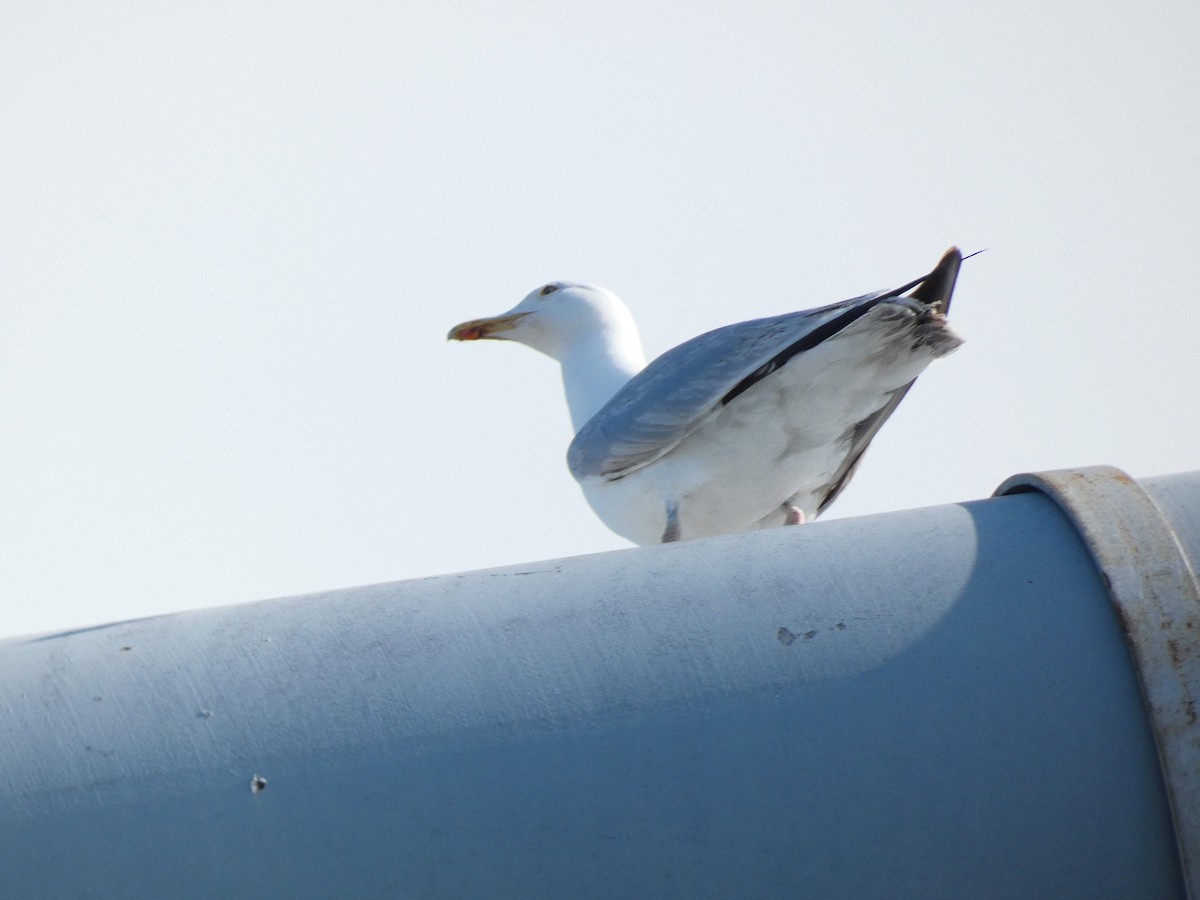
x=549, y=289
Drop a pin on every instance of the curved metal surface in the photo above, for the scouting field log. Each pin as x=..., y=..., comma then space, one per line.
x=1153, y=587
x=937, y=703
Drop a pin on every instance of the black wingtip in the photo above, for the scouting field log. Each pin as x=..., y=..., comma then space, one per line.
x=937, y=287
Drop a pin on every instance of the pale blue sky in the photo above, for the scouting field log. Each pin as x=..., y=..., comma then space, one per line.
x=233, y=236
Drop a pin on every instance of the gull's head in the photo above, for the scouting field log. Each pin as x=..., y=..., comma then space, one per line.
x=554, y=318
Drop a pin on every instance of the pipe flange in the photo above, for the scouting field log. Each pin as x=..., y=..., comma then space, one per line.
x=1156, y=595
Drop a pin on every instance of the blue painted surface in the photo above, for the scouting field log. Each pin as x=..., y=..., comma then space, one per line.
x=927, y=704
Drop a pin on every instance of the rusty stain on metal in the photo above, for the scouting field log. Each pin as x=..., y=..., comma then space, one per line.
x=1156, y=595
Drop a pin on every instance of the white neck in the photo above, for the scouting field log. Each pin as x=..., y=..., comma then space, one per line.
x=596, y=367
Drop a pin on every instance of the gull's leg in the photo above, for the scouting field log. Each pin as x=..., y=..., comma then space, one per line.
x=794, y=514
x=671, y=532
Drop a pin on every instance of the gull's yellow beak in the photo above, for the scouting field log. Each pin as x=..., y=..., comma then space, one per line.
x=478, y=329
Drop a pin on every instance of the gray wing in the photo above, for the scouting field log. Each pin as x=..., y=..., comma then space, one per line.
x=936, y=289
x=860, y=439
x=665, y=402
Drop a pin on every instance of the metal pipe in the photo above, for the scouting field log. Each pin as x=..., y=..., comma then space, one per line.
x=935, y=703
x=1153, y=588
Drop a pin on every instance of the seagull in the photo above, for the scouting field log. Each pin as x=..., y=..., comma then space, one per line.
x=754, y=425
